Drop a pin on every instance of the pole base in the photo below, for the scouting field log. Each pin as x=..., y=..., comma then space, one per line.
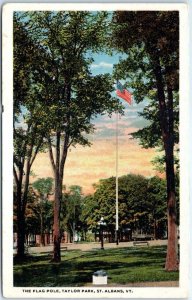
x=117, y=237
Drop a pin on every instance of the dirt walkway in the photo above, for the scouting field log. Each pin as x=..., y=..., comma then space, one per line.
x=92, y=246
x=149, y=284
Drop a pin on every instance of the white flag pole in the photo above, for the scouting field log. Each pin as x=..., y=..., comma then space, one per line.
x=117, y=187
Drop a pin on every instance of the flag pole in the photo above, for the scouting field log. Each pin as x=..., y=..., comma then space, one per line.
x=126, y=95
x=117, y=187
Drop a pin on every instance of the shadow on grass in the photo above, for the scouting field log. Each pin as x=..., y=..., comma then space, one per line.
x=67, y=273
x=136, y=252
x=77, y=267
x=46, y=256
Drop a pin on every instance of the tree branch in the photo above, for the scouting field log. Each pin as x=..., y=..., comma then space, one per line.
x=51, y=154
x=57, y=151
x=170, y=109
x=15, y=176
x=70, y=143
x=17, y=162
x=64, y=154
x=35, y=153
x=67, y=135
x=26, y=183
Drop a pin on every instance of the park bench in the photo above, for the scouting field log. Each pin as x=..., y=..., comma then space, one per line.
x=32, y=244
x=140, y=243
x=63, y=248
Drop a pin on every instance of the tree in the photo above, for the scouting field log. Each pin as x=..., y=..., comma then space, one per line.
x=151, y=40
x=44, y=187
x=28, y=124
x=157, y=205
x=32, y=220
x=89, y=210
x=71, y=209
x=34, y=213
x=74, y=95
x=141, y=205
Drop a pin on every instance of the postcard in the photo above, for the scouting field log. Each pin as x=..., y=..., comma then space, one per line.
x=96, y=133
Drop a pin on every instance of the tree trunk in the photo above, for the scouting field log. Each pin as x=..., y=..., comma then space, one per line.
x=58, y=170
x=56, y=225
x=172, y=248
x=172, y=255
x=155, y=229
x=166, y=123
x=22, y=199
x=84, y=235
x=20, y=234
x=73, y=231
x=20, y=219
x=41, y=225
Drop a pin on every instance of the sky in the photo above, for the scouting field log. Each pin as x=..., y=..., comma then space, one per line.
x=85, y=166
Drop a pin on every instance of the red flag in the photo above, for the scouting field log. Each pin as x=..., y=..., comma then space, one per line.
x=126, y=95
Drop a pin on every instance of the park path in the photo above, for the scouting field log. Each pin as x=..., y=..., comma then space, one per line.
x=143, y=284
x=91, y=246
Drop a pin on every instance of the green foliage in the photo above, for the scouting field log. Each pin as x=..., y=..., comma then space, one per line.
x=29, y=129
x=27, y=62
x=44, y=186
x=150, y=136
x=38, y=210
x=141, y=201
x=138, y=31
x=136, y=34
x=71, y=94
x=71, y=207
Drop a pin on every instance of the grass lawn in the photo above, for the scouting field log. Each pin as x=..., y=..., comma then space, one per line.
x=123, y=265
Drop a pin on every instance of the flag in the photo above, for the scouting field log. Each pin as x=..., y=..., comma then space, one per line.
x=123, y=93
x=120, y=86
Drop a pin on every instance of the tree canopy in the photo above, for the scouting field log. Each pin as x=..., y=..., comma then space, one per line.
x=71, y=210
x=141, y=203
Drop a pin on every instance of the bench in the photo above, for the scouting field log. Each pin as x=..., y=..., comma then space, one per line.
x=140, y=243
x=63, y=248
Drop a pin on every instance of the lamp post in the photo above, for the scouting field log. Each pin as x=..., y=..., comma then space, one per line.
x=101, y=224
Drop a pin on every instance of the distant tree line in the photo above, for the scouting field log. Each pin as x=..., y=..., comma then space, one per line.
x=142, y=209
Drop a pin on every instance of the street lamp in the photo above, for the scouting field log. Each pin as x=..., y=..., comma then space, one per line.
x=101, y=224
